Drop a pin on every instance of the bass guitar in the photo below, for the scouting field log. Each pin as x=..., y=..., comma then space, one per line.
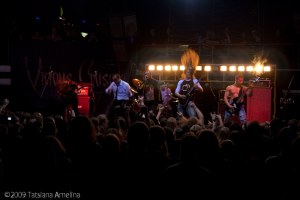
x=236, y=103
x=189, y=94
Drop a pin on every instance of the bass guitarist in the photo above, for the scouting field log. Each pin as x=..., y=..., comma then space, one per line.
x=235, y=100
x=186, y=89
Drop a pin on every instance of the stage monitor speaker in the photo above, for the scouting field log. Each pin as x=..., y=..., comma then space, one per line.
x=84, y=105
x=259, y=104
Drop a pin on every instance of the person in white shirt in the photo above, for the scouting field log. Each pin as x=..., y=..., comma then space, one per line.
x=120, y=90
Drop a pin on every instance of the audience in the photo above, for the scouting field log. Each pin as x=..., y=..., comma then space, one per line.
x=85, y=155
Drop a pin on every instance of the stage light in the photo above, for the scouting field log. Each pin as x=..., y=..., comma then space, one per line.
x=198, y=68
x=167, y=68
x=151, y=67
x=84, y=34
x=214, y=67
x=223, y=68
x=207, y=68
x=159, y=67
x=258, y=68
x=249, y=68
x=174, y=67
x=267, y=68
x=232, y=68
x=241, y=68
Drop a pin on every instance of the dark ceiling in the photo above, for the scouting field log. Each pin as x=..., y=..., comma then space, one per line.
x=153, y=12
x=193, y=16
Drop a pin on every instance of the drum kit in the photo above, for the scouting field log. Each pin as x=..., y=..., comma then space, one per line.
x=137, y=83
x=133, y=90
x=134, y=103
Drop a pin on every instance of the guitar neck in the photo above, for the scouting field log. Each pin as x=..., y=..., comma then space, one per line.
x=193, y=87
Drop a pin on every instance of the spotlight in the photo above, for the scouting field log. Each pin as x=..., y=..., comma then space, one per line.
x=84, y=34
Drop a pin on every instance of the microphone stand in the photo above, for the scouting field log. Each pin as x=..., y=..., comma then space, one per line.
x=214, y=96
x=289, y=86
x=212, y=91
x=283, y=101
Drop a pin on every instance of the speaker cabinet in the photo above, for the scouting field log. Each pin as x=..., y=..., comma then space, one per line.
x=259, y=104
x=84, y=105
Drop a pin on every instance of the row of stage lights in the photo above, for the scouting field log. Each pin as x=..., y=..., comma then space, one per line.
x=208, y=68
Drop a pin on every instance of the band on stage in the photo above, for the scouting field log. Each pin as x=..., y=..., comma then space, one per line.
x=148, y=97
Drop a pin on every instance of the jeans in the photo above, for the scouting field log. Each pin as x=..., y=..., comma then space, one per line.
x=241, y=115
x=187, y=111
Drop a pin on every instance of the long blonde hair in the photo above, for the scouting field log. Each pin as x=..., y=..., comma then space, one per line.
x=190, y=59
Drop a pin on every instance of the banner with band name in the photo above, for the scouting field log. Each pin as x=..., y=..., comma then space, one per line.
x=36, y=67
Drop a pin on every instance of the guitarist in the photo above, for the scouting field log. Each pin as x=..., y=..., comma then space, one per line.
x=185, y=91
x=234, y=98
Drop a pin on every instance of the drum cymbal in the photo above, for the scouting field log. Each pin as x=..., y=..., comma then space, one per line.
x=133, y=90
x=137, y=83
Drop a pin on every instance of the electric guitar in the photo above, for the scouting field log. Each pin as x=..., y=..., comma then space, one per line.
x=188, y=95
x=236, y=103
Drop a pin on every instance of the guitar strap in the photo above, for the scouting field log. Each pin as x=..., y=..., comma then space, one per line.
x=240, y=96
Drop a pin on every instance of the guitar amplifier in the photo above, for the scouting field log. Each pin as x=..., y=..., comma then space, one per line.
x=260, y=83
x=84, y=105
x=259, y=105
x=83, y=91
